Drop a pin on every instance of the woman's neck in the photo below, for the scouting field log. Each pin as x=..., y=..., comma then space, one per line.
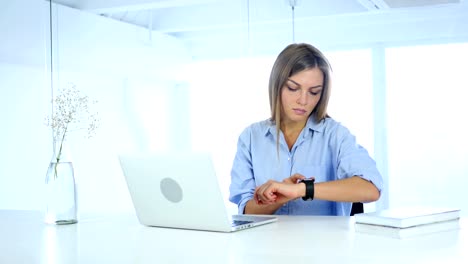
x=291, y=132
x=292, y=127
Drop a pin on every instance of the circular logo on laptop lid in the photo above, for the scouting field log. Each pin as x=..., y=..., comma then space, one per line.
x=171, y=190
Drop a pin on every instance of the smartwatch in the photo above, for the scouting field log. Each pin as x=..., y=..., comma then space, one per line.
x=309, y=194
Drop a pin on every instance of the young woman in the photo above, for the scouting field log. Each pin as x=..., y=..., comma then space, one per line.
x=301, y=152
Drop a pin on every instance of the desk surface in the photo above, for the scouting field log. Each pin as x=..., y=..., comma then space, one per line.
x=24, y=238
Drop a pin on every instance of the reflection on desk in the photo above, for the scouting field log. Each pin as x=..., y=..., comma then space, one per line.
x=119, y=238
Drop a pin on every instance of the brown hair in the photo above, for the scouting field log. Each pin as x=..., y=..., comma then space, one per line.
x=293, y=59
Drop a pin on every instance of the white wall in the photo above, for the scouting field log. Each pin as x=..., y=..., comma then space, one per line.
x=24, y=140
x=107, y=60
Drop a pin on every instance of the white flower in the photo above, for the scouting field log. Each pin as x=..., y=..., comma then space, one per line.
x=71, y=113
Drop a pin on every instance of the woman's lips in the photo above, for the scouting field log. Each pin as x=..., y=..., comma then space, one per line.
x=298, y=111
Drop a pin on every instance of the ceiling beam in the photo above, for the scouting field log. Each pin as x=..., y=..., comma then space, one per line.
x=114, y=6
x=372, y=5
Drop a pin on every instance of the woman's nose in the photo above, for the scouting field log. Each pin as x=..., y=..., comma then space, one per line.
x=302, y=99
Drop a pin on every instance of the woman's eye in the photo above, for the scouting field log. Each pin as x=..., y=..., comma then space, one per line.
x=314, y=93
x=292, y=89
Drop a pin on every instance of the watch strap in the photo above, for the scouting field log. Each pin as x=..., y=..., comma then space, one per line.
x=309, y=194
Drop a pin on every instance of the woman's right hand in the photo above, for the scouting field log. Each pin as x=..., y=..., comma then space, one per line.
x=273, y=192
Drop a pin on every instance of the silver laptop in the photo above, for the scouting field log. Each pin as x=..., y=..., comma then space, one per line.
x=180, y=190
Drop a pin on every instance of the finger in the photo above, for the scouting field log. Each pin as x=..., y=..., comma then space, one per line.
x=256, y=199
x=293, y=178
x=270, y=194
x=297, y=177
x=255, y=196
x=260, y=194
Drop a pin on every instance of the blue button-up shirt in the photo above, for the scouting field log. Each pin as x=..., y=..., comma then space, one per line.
x=325, y=150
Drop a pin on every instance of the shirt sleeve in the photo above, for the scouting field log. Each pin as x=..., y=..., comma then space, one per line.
x=354, y=160
x=242, y=179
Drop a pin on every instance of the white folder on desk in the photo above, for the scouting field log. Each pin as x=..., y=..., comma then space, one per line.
x=180, y=190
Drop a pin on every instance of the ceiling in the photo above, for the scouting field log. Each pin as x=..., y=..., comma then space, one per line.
x=255, y=23
x=179, y=16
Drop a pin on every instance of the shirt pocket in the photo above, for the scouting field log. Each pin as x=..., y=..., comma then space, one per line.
x=319, y=172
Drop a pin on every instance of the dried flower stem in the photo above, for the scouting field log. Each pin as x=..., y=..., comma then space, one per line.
x=57, y=157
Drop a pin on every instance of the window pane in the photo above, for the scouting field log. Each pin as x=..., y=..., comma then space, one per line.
x=351, y=98
x=427, y=131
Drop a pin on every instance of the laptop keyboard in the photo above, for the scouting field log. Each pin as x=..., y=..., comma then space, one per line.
x=239, y=222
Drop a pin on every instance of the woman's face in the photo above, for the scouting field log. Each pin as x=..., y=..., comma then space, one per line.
x=300, y=95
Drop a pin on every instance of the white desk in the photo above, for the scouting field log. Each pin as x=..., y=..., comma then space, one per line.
x=24, y=238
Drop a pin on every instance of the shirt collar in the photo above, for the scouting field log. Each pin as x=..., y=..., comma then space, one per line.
x=270, y=127
x=310, y=125
x=314, y=125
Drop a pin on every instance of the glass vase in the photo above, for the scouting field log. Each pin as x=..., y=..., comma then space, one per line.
x=60, y=189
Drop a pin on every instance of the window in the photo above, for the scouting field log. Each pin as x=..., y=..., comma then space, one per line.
x=427, y=131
